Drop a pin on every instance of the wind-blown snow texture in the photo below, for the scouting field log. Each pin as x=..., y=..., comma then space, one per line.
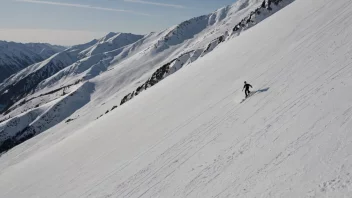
x=16, y=56
x=188, y=136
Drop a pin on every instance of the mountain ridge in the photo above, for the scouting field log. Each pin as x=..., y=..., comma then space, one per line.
x=137, y=64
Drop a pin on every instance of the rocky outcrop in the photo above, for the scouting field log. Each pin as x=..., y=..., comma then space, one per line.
x=266, y=7
x=156, y=77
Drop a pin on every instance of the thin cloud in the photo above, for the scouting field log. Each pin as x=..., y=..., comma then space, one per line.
x=156, y=3
x=81, y=6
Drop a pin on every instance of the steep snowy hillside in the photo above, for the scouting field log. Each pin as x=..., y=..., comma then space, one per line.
x=117, y=68
x=16, y=56
x=24, y=82
x=190, y=135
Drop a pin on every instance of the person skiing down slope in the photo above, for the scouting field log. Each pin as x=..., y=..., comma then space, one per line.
x=246, y=88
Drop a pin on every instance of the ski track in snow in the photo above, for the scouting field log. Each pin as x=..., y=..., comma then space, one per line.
x=188, y=137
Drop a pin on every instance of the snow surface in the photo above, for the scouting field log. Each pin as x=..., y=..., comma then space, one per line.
x=110, y=42
x=119, y=65
x=189, y=136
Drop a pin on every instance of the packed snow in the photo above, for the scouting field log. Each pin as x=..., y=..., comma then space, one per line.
x=190, y=135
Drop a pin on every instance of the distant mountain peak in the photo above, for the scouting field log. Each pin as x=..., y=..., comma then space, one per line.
x=16, y=56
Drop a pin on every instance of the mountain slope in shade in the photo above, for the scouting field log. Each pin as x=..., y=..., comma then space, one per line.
x=45, y=49
x=16, y=56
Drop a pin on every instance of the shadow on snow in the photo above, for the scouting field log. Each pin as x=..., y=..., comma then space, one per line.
x=255, y=92
x=262, y=90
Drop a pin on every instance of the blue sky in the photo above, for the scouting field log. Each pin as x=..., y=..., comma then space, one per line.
x=69, y=22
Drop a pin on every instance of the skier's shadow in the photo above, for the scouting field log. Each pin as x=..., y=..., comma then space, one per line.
x=255, y=92
x=263, y=90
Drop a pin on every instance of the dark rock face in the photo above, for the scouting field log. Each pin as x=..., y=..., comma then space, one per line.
x=27, y=133
x=156, y=77
x=114, y=107
x=266, y=5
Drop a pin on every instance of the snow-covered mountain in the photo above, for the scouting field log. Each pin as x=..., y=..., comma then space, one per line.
x=17, y=56
x=190, y=135
x=111, y=41
x=44, y=49
x=112, y=70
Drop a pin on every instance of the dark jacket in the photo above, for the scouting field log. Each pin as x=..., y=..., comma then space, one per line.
x=246, y=86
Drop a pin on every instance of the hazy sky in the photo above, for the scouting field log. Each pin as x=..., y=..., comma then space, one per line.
x=69, y=22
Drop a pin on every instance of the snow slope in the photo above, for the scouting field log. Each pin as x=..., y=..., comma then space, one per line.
x=120, y=66
x=188, y=136
x=16, y=56
x=110, y=42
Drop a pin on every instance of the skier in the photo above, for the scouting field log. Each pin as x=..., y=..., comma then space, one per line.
x=246, y=88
